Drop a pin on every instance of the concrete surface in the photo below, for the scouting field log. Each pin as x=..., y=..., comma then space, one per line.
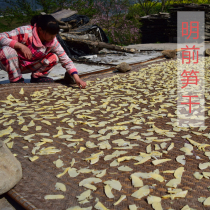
x=58, y=71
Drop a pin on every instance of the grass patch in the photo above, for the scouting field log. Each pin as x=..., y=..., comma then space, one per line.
x=4, y=26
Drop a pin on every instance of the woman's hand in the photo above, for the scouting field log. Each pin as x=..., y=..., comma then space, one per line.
x=24, y=49
x=79, y=82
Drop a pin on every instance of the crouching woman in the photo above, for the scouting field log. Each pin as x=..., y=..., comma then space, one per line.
x=34, y=48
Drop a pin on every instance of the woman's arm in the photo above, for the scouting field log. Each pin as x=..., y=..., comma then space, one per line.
x=17, y=35
x=67, y=63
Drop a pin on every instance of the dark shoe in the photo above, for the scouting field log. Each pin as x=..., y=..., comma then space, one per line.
x=69, y=79
x=41, y=79
x=19, y=81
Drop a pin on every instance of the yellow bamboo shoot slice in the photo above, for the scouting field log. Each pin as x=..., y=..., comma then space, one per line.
x=84, y=195
x=207, y=202
x=114, y=163
x=156, y=162
x=157, y=147
x=90, y=144
x=149, y=149
x=197, y=175
x=204, y=165
x=186, y=208
x=201, y=199
x=122, y=197
x=136, y=182
x=132, y=207
x=47, y=140
x=104, y=145
x=33, y=158
x=108, y=191
x=73, y=172
x=46, y=122
x=31, y=123
x=114, y=184
x=89, y=181
x=21, y=91
x=90, y=186
x=157, y=177
x=38, y=128
x=58, y=163
x=180, y=159
x=157, y=206
x=178, y=173
x=59, y=175
x=173, y=183
x=81, y=149
x=170, y=147
x=206, y=175
x=85, y=170
x=100, y=206
x=101, y=174
x=10, y=145
x=143, y=160
x=153, y=199
x=60, y=186
x=163, y=145
x=143, y=191
x=180, y=194
x=53, y=197
x=24, y=128
x=72, y=162
x=169, y=172
x=125, y=168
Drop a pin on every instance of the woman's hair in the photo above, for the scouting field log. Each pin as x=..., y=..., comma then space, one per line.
x=47, y=23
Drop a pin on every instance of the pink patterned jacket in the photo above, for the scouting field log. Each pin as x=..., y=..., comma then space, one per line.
x=28, y=36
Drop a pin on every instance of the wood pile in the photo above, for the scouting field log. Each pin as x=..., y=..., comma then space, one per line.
x=162, y=27
x=153, y=28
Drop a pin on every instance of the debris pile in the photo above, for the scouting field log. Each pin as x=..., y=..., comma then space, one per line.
x=79, y=37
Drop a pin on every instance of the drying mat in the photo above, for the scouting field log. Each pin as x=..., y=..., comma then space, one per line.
x=39, y=177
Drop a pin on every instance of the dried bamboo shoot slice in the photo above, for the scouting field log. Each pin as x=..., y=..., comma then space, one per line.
x=197, y=175
x=173, y=183
x=207, y=202
x=90, y=186
x=84, y=195
x=122, y=197
x=178, y=173
x=53, y=197
x=153, y=199
x=132, y=207
x=136, y=182
x=156, y=162
x=73, y=172
x=157, y=177
x=108, y=191
x=100, y=206
x=60, y=186
x=125, y=168
x=114, y=184
x=21, y=91
x=157, y=206
x=143, y=191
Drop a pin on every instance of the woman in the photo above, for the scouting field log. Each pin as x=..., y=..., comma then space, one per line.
x=34, y=48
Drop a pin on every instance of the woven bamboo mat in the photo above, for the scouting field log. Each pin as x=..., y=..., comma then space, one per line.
x=39, y=176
